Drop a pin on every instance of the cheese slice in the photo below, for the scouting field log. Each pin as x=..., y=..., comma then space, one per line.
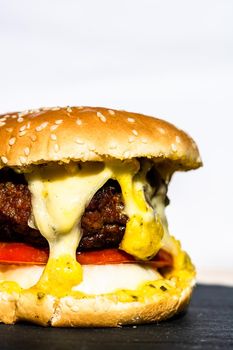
x=97, y=279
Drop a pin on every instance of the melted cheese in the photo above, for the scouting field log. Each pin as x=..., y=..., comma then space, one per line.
x=59, y=197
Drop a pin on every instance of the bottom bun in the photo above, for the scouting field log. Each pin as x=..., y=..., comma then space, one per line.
x=99, y=311
x=105, y=313
x=106, y=310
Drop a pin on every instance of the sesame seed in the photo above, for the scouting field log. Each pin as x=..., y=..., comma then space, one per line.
x=69, y=109
x=53, y=137
x=55, y=109
x=79, y=107
x=42, y=126
x=12, y=141
x=78, y=141
x=20, y=120
x=174, y=147
x=3, y=119
x=56, y=147
x=135, y=132
x=26, y=151
x=2, y=124
x=22, y=128
x=161, y=130
x=111, y=112
x=22, y=133
x=131, y=139
x=144, y=140
x=22, y=159
x=33, y=138
x=78, y=122
x=7, y=115
x=131, y=120
x=9, y=129
x=199, y=159
x=178, y=140
x=4, y=160
x=14, y=116
x=58, y=121
x=54, y=127
x=103, y=119
x=101, y=116
x=28, y=125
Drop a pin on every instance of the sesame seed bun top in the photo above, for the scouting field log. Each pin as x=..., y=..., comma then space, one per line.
x=91, y=134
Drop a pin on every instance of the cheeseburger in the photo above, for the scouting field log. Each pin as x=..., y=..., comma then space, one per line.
x=84, y=239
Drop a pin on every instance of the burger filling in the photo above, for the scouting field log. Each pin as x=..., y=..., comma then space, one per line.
x=103, y=222
x=75, y=209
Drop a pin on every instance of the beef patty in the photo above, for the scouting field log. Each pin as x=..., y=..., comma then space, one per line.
x=103, y=222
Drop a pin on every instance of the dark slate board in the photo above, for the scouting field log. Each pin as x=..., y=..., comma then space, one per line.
x=208, y=324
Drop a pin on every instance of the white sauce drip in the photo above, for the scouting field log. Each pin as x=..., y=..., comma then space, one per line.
x=59, y=197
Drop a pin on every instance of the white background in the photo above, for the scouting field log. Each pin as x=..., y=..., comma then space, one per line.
x=172, y=59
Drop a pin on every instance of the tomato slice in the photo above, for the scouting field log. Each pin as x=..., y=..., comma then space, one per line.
x=116, y=256
x=17, y=253
x=104, y=256
x=20, y=253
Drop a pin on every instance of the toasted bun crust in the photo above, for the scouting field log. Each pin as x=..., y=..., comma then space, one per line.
x=98, y=311
x=91, y=134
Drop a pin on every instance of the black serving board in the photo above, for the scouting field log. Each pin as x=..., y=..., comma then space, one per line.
x=208, y=324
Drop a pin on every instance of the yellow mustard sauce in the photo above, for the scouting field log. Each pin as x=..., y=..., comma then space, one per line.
x=144, y=230
x=10, y=287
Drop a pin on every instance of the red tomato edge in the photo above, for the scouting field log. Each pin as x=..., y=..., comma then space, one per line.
x=21, y=253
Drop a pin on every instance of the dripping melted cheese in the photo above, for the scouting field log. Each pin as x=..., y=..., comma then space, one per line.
x=59, y=197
